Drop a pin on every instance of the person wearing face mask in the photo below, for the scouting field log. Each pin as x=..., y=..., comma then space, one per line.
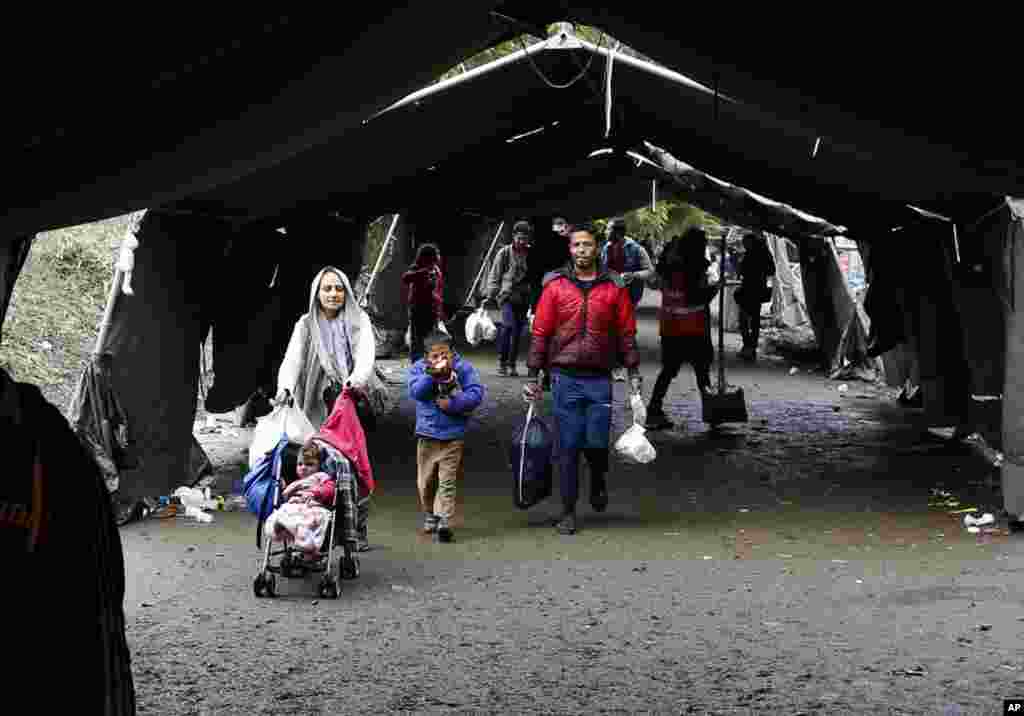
x=583, y=328
x=629, y=260
x=508, y=287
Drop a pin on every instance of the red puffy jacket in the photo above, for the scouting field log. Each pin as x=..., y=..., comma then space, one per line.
x=590, y=330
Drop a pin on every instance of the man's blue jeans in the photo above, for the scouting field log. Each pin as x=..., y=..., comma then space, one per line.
x=583, y=418
x=513, y=321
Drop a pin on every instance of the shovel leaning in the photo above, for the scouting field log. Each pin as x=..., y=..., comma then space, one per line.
x=725, y=405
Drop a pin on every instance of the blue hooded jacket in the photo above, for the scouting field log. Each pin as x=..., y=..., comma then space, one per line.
x=431, y=421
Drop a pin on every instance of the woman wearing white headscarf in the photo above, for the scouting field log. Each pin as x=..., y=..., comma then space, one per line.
x=332, y=346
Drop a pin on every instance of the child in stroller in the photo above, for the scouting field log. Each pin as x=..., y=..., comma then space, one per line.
x=314, y=512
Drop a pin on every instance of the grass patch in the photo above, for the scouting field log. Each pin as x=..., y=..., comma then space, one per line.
x=57, y=305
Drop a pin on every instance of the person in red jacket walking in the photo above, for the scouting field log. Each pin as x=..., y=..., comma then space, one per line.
x=583, y=327
x=425, y=297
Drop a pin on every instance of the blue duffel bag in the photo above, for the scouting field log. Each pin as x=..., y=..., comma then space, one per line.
x=532, y=455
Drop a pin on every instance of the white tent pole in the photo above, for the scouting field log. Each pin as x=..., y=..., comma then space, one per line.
x=380, y=258
x=487, y=259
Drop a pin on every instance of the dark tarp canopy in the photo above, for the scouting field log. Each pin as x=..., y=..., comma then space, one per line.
x=260, y=118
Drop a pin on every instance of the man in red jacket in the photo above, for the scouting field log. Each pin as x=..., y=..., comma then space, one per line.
x=583, y=327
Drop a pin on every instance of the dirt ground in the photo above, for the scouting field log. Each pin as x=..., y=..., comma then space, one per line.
x=790, y=565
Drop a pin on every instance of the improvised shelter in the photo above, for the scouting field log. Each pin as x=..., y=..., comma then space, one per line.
x=249, y=135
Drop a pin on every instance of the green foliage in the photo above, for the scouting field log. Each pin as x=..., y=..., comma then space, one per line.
x=667, y=219
x=57, y=304
x=590, y=34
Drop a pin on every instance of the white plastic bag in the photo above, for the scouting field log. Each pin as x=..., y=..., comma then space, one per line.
x=480, y=327
x=286, y=419
x=634, y=446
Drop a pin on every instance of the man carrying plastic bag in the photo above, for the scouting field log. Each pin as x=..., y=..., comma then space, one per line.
x=583, y=328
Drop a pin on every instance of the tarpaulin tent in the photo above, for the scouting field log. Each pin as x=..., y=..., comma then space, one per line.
x=255, y=131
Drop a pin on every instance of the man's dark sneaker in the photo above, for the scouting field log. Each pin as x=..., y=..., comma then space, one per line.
x=503, y=371
x=567, y=525
x=599, y=501
x=657, y=420
x=430, y=521
x=444, y=531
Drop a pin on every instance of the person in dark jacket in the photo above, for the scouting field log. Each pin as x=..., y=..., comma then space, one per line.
x=508, y=286
x=446, y=388
x=65, y=567
x=583, y=328
x=756, y=267
x=683, y=319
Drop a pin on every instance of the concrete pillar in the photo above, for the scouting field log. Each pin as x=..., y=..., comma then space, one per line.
x=1013, y=388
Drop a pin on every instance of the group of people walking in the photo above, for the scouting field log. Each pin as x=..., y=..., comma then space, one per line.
x=583, y=299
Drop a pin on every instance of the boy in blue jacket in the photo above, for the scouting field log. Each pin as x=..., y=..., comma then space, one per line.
x=446, y=388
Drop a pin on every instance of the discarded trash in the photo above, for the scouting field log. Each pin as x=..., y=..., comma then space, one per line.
x=47, y=346
x=744, y=509
x=708, y=556
x=912, y=671
x=786, y=556
x=986, y=398
x=977, y=443
x=860, y=581
x=843, y=388
x=146, y=604
x=190, y=496
x=964, y=510
x=402, y=588
x=972, y=521
x=984, y=627
x=197, y=514
x=794, y=370
x=974, y=530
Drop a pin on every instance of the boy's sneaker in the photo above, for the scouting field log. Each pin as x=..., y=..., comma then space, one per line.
x=430, y=522
x=513, y=373
x=503, y=371
x=657, y=420
x=444, y=531
x=567, y=525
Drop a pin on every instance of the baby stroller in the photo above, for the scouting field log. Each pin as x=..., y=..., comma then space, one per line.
x=341, y=530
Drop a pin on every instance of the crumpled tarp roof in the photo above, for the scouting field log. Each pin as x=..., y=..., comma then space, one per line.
x=501, y=141
x=122, y=118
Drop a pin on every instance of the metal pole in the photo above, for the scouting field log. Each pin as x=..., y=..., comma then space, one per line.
x=721, y=316
x=380, y=257
x=108, y=312
x=487, y=258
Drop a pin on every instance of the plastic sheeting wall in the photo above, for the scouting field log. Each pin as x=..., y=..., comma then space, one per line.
x=154, y=340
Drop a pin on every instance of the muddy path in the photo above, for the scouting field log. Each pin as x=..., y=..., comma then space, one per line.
x=789, y=565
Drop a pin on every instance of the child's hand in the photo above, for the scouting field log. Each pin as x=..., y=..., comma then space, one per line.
x=444, y=404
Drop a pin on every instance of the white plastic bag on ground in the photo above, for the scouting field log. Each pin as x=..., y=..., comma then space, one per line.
x=286, y=419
